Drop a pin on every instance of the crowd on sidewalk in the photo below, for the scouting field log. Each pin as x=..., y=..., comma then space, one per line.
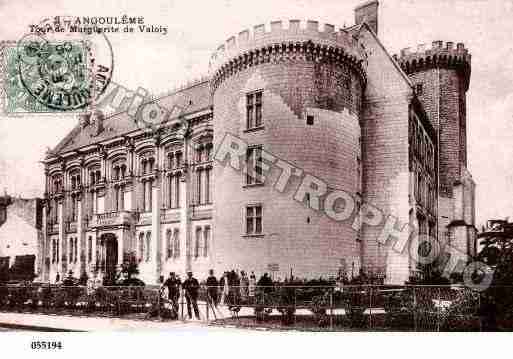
x=231, y=286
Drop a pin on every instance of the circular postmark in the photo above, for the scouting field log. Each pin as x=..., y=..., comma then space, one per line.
x=62, y=68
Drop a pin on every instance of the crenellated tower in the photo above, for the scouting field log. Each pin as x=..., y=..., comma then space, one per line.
x=293, y=90
x=441, y=76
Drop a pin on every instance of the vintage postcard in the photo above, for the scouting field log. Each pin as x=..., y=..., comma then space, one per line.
x=290, y=166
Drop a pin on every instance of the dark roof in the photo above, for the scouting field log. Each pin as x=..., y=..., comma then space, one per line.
x=192, y=99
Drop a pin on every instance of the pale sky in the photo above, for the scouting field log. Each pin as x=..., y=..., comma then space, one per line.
x=159, y=63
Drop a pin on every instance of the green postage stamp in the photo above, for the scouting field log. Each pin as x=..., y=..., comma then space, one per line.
x=41, y=76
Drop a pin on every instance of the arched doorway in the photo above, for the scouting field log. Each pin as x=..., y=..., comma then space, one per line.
x=109, y=245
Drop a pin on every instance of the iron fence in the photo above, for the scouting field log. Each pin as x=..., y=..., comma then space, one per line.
x=362, y=307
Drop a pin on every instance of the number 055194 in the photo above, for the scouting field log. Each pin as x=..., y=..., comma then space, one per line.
x=42, y=345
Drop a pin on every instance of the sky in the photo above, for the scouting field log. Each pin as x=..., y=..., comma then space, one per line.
x=159, y=63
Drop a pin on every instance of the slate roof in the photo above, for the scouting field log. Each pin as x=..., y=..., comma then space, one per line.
x=193, y=99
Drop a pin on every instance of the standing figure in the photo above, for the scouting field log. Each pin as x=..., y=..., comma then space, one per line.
x=212, y=288
x=252, y=287
x=173, y=290
x=244, y=286
x=191, y=289
x=224, y=283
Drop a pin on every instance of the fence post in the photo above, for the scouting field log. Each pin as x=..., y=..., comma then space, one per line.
x=438, y=309
x=207, y=301
x=158, y=304
x=295, y=303
x=414, y=310
x=331, y=308
x=370, y=307
x=181, y=303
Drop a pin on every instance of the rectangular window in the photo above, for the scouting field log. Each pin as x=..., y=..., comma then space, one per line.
x=309, y=120
x=208, y=190
x=198, y=245
x=254, y=165
x=199, y=191
x=254, y=110
x=54, y=250
x=176, y=243
x=170, y=194
x=258, y=109
x=148, y=246
x=76, y=251
x=169, y=244
x=206, y=235
x=90, y=249
x=71, y=250
x=177, y=191
x=254, y=219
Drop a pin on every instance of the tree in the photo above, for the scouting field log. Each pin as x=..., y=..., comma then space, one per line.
x=497, y=252
x=129, y=267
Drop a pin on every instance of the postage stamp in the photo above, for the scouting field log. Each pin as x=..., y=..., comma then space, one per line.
x=55, y=71
x=47, y=76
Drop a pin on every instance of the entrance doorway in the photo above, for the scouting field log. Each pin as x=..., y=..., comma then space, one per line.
x=109, y=243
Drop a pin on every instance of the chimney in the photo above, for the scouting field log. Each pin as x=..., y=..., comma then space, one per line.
x=368, y=13
x=96, y=121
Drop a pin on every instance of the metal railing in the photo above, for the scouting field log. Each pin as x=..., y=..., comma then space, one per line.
x=362, y=307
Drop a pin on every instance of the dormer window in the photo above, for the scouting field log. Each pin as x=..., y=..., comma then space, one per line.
x=419, y=89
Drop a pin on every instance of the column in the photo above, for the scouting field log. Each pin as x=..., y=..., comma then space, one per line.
x=121, y=246
x=62, y=238
x=185, y=189
x=82, y=245
x=103, y=163
x=155, y=210
x=43, y=274
x=94, y=249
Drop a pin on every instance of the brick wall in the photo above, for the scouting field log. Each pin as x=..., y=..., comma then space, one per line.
x=295, y=237
x=385, y=156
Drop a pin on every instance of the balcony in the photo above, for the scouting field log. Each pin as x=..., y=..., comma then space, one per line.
x=121, y=218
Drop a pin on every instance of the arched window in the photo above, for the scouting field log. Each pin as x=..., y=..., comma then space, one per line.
x=169, y=244
x=148, y=246
x=56, y=184
x=141, y=246
x=176, y=243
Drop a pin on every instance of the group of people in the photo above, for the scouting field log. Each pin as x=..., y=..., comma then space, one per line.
x=170, y=289
x=233, y=287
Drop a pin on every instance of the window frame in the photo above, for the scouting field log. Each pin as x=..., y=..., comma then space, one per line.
x=253, y=166
x=254, y=101
x=254, y=217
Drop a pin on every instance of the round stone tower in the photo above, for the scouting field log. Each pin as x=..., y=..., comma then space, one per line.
x=291, y=98
x=441, y=76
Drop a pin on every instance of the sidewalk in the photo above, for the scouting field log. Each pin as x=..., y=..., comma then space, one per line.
x=45, y=322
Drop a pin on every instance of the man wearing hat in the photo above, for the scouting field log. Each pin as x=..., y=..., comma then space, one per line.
x=173, y=288
x=191, y=288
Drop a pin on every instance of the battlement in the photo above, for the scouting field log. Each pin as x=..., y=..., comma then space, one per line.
x=440, y=53
x=276, y=33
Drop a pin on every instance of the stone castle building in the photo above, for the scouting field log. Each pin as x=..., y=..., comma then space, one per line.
x=390, y=131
